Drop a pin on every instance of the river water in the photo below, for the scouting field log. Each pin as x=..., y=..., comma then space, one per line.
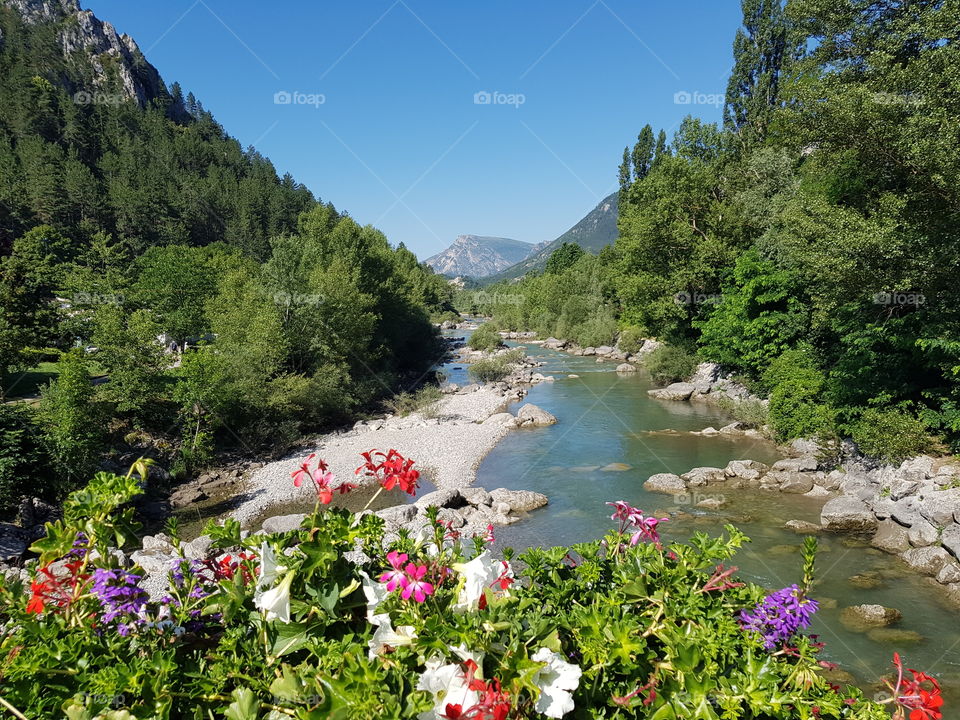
x=611, y=436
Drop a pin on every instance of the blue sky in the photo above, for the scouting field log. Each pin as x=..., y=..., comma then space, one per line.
x=398, y=140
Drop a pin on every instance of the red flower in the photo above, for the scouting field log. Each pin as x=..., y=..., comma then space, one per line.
x=391, y=470
x=322, y=480
x=39, y=592
x=921, y=695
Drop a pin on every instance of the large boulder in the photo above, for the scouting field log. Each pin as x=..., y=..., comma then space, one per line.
x=939, y=506
x=665, y=483
x=864, y=617
x=847, y=514
x=13, y=542
x=746, y=469
x=676, y=391
x=950, y=539
x=503, y=418
x=283, y=523
x=530, y=414
x=796, y=464
x=922, y=533
x=445, y=498
x=927, y=560
x=397, y=516
x=797, y=483
x=626, y=368
x=891, y=537
x=704, y=476
x=519, y=500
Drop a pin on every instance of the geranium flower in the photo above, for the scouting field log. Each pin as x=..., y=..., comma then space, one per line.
x=391, y=470
x=632, y=519
x=276, y=602
x=557, y=681
x=416, y=587
x=322, y=480
x=397, y=577
x=921, y=695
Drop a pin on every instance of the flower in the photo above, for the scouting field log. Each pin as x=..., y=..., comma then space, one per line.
x=270, y=570
x=276, y=602
x=375, y=593
x=450, y=688
x=631, y=518
x=322, y=480
x=416, y=586
x=921, y=695
x=779, y=616
x=391, y=470
x=556, y=681
x=386, y=637
x=118, y=593
x=481, y=574
x=397, y=577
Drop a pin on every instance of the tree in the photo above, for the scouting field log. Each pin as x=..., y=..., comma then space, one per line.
x=72, y=422
x=643, y=153
x=624, y=174
x=563, y=257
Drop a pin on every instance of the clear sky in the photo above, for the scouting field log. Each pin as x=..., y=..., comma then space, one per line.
x=387, y=123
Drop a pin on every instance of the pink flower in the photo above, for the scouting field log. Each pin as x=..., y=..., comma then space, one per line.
x=395, y=578
x=322, y=480
x=646, y=529
x=415, y=585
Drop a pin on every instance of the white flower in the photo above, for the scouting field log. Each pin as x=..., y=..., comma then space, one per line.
x=276, y=602
x=448, y=685
x=386, y=635
x=478, y=575
x=375, y=593
x=269, y=569
x=556, y=681
x=464, y=654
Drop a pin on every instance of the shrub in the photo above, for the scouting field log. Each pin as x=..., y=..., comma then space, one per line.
x=24, y=465
x=422, y=400
x=599, y=329
x=485, y=337
x=631, y=339
x=750, y=411
x=623, y=626
x=890, y=435
x=492, y=369
x=669, y=364
x=796, y=408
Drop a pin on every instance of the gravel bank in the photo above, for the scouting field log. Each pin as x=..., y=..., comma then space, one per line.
x=447, y=449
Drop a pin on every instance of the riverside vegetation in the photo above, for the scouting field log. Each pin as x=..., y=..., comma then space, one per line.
x=326, y=622
x=810, y=243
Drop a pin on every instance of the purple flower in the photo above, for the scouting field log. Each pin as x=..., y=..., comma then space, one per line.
x=779, y=616
x=118, y=593
x=79, y=545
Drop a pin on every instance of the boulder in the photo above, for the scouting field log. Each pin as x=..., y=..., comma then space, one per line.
x=746, y=469
x=734, y=428
x=588, y=351
x=530, y=414
x=950, y=539
x=802, y=527
x=187, y=495
x=605, y=350
x=152, y=561
x=895, y=636
x=446, y=498
x=13, y=542
x=676, y=391
x=796, y=464
x=918, y=468
x=863, y=617
x=797, y=483
x=939, y=506
x=397, y=516
x=805, y=446
x=519, y=500
x=476, y=495
x=704, y=476
x=283, y=523
x=158, y=543
x=712, y=503
x=200, y=548
x=922, y=533
x=891, y=537
x=503, y=418
x=665, y=483
x=847, y=514
x=626, y=368
x=949, y=573
x=927, y=560
x=451, y=518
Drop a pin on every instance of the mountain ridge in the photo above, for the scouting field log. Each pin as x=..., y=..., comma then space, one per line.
x=477, y=256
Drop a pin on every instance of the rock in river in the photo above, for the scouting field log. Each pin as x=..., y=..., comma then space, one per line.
x=847, y=514
x=665, y=483
x=861, y=618
x=530, y=414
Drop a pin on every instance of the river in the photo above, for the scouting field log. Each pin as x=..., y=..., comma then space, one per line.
x=610, y=438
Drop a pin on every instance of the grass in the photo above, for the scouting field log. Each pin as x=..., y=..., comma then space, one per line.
x=496, y=368
x=27, y=384
x=425, y=400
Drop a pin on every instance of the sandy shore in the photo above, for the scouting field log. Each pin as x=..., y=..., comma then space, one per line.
x=447, y=448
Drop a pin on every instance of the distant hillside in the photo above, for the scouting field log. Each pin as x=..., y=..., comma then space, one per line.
x=594, y=232
x=478, y=256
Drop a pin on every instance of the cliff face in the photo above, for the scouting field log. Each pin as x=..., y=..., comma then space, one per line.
x=478, y=256
x=117, y=63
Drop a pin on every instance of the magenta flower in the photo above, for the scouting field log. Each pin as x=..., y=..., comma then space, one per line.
x=646, y=529
x=415, y=585
x=395, y=578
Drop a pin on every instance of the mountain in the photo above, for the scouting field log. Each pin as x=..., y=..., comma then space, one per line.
x=479, y=256
x=594, y=232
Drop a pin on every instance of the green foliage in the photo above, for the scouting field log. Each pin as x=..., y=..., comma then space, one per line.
x=495, y=368
x=563, y=257
x=751, y=411
x=486, y=337
x=669, y=364
x=639, y=630
x=891, y=435
x=796, y=398
x=24, y=464
x=72, y=422
x=424, y=400
x=631, y=339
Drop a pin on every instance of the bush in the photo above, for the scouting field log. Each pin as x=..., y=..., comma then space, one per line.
x=496, y=368
x=485, y=337
x=424, y=401
x=750, y=411
x=629, y=628
x=24, y=464
x=599, y=329
x=669, y=364
x=796, y=407
x=631, y=339
x=890, y=435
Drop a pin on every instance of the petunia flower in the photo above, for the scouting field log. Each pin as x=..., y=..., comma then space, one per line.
x=385, y=636
x=557, y=681
x=481, y=574
x=270, y=569
x=375, y=593
x=276, y=602
x=449, y=686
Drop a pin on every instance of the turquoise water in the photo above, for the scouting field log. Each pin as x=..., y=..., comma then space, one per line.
x=607, y=418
